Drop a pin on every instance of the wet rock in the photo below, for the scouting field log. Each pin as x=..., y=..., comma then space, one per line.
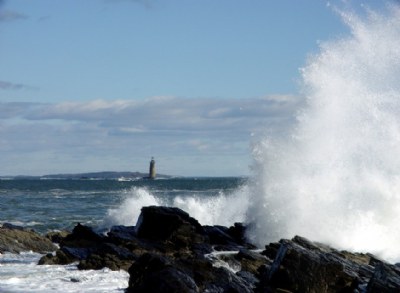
x=386, y=279
x=16, y=239
x=108, y=255
x=122, y=234
x=304, y=266
x=218, y=235
x=250, y=261
x=57, y=236
x=59, y=258
x=238, y=233
x=168, y=251
x=160, y=223
x=77, y=253
x=154, y=273
x=82, y=236
x=99, y=261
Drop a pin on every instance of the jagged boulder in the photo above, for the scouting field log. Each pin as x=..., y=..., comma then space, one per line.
x=16, y=239
x=303, y=266
x=57, y=236
x=82, y=236
x=386, y=279
x=173, y=228
x=168, y=251
x=251, y=261
x=160, y=223
x=155, y=273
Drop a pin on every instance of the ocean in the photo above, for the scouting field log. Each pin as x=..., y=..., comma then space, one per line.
x=332, y=177
x=49, y=205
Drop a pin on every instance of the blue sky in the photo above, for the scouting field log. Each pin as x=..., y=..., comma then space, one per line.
x=106, y=84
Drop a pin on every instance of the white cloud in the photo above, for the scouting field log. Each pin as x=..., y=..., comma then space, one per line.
x=113, y=134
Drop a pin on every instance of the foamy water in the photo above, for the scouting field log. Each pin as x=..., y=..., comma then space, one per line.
x=45, y=205
x=20, y=273
x=219, y=209
x=335, y=177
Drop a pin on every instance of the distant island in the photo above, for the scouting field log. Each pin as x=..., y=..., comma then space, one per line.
x=105, y=175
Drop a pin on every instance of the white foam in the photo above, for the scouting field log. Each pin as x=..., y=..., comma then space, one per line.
x=336, y=176
x=128, y=212
x=19, y=273
x=221, y=208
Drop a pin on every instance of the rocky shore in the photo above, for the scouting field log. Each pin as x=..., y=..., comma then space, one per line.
x=17, y=239
x=169, y=251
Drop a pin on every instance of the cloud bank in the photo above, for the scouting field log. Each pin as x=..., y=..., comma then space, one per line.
x=186, y=135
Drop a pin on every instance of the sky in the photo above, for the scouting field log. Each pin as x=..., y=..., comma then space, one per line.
x=104, y=85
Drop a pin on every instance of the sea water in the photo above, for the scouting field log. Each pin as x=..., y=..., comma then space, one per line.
x=48, y=205
x=335, y=177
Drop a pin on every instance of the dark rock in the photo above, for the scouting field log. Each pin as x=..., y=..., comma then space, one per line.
x=223, y=238
x=168, y=251
x=308, y=269
x=202, y=248
x=271, y=250
x=218, y=235
x=122, y=234
x=75, y=246
x=169, y=230
x=224, y=280
x=249, y=279
x=120, y=252
x=251, y=261
x=304, y=266
x=154, y=273
x=386, y=279
x=108, y=255
x=13, y=227
x=60, y=258
x=159, y=223
x=57, y=236
x=99, y=261
x=82, y=236
x=16, y=239
x=238, y=232
x=77, y=253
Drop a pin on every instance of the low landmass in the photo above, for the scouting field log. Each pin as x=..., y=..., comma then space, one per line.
x=105, y=175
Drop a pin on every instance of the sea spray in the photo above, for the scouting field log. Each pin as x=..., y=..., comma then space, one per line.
x=335, y=177
x=219, y=209
x=210, y=208
x=128, y=211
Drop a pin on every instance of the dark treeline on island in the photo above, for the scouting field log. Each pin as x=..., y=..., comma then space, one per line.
x=106, y=175
x=103, y=175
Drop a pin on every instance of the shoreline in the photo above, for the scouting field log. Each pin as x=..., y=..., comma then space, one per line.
x=169, y=248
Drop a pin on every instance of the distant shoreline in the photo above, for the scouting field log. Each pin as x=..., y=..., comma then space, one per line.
x=105, y=175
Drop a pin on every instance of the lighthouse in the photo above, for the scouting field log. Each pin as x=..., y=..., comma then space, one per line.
x=152, y=171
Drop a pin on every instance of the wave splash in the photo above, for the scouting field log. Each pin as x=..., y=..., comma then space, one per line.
x=335, y=177
x=220, y=208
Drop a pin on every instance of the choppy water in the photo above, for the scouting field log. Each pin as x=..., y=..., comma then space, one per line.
x=334, y=177
x=46, y=205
